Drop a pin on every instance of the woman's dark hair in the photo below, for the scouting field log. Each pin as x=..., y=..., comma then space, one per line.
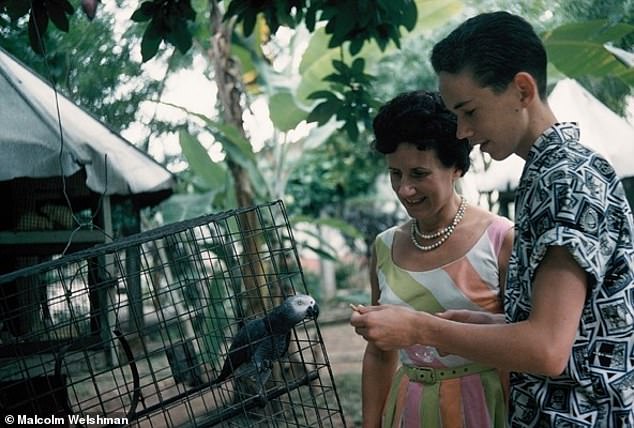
x=421, y=118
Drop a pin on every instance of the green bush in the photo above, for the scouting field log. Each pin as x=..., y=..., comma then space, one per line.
x=313, y=284
x=349, y=391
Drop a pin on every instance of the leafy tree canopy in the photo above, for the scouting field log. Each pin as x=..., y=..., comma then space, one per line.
x=350, y=66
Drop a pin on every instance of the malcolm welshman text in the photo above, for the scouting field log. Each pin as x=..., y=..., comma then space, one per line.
x=72, y=419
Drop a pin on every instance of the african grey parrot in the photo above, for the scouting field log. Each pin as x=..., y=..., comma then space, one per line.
x=262, y=341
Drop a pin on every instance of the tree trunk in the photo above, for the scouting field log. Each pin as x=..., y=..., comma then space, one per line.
x=230, y=93
x=228, y=79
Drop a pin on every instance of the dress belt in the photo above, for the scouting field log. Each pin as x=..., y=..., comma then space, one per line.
x=429, y=375
x=429, y=401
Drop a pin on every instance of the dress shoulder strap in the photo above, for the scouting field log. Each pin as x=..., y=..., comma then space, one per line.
x=383, y=245
x=497, y=230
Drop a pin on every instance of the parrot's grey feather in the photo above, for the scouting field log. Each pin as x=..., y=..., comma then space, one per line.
x=262, y=341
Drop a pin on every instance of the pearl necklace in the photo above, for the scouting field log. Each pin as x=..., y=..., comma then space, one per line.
x=448, y=229
x=443, y=234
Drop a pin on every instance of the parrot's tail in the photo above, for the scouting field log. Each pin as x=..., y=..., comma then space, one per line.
x=224, y=374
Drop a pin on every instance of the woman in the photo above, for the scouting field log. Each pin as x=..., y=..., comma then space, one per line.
x=449, y=255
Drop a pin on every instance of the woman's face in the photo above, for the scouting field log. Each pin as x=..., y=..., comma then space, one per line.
x=422, y=183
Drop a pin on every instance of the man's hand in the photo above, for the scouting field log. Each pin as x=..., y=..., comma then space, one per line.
x=389, y=327
x=472, y=317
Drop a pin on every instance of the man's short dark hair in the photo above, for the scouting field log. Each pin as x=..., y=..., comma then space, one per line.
x=493, y=47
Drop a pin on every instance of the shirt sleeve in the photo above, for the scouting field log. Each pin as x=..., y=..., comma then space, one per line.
x=573, y=216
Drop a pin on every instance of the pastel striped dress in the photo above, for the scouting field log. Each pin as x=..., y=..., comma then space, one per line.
x=430, y=390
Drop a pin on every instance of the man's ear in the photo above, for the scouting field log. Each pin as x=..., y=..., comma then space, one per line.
x=527, y=87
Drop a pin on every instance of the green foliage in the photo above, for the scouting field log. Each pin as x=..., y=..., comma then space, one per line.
x=420, y=74
x=312, y=227
x=349, y=390
x=349, y=93
x=348, y=99
x=284, y=111
x=125, y=218
x=238, y=151
x=577, y=49
x=40, y=14
x=15, y=8
x=214, y=175
x=331, y=174
x=345, y=228
x=348, y=66
x=354, y=21
x=433, y=14
x=276, y=13
x=611, y=90
x=316, y=63
x=369, y=217
x=168, y=21
x=88, y=65
x=214, y=319
x=343, y=273
x=324, y=248
x=183, y=206
x=358, y=21
x=312, y=281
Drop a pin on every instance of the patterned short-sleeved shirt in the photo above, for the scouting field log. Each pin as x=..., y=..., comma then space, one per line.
x=570, y=196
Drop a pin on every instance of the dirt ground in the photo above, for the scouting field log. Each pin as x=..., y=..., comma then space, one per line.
x=344, y=347
x=345, y=353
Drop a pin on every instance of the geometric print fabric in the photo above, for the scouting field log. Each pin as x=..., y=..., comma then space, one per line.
x=570, y=196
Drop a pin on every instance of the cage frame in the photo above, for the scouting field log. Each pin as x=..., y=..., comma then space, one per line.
x=105, y=337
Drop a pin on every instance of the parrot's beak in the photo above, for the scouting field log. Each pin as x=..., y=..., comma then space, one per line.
x=312, y=312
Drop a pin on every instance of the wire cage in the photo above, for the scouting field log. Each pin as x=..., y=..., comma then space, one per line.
x=133, y=332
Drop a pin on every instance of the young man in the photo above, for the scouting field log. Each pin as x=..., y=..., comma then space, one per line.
x=569, y=332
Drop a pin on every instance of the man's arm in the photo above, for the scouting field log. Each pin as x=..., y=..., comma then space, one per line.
x=541, y=344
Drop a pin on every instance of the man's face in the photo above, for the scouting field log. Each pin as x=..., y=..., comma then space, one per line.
x=498, y=122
